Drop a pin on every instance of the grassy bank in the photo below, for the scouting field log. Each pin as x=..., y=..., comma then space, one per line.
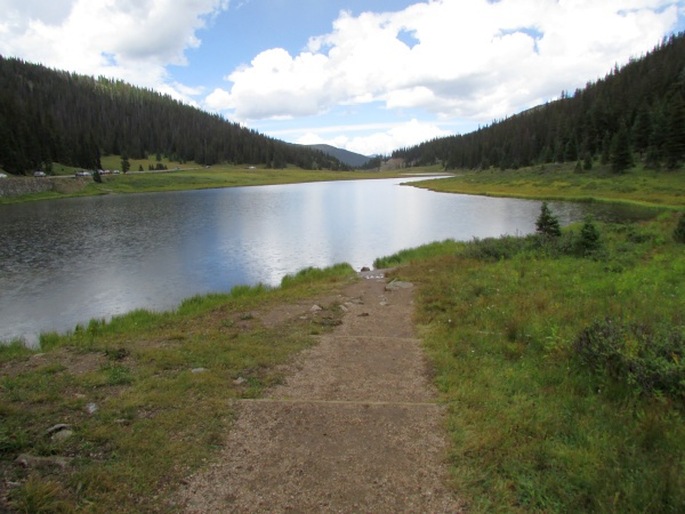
x=562, y=182
x=188, y=176
x=145, y=397
x=562, y=366
x=561, y=363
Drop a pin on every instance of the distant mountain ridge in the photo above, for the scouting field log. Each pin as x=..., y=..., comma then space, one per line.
x=351, y=159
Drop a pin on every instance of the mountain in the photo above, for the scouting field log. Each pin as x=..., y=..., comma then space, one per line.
x=51, y=116
x=635, y=113
x=354, y=160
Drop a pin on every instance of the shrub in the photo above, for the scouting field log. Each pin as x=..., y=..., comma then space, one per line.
x=649, y=359
x=589, y=240
x=495, y=249
x=679, y=232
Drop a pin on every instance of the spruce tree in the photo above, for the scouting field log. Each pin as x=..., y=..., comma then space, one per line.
x=621, y=154
x=674, y=138
x=547, y=225
x=589, y=241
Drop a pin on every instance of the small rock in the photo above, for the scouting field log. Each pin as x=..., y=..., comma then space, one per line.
x=398, y=284
x=239, y=381
x=91, y=408
x=198, y=370
x=30, y=461
x=315, y=308
x=344, y=309
x=58, y=428
x=62, y=435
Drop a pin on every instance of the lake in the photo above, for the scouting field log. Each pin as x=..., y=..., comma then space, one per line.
x=67, y=261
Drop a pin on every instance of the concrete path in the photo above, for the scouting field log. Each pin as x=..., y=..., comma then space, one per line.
x=354, y=428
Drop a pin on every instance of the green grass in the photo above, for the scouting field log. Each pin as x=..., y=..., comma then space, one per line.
x=561, y=182
x=561, y=368
x=147, y=394
x=539, y=422
x=187, y=176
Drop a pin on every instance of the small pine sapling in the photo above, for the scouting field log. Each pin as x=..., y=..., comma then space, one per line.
x=547, y=225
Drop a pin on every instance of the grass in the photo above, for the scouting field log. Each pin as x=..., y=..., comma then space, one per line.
x=185, y=176
x=561, y=182
x=539, y=420
x=561, y=367
x=146, y=394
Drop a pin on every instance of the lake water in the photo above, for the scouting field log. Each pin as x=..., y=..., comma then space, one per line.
x=65, y=262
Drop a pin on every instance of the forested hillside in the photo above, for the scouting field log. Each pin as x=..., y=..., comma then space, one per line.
x=51, y=116
x=635, y=114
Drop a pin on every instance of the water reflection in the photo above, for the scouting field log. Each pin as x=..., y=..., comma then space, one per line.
x=65, y=262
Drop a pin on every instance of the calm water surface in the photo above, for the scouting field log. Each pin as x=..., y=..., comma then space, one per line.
x=65, y=262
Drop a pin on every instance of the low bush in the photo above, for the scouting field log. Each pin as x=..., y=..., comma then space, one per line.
x=646, y=358
x=679, y=232
x=495, y=249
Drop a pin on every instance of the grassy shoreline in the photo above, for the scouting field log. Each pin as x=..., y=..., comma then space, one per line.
x=638, y=186
x=193, y=178
x=540, y=419
x=563, y=370
x=145, y=398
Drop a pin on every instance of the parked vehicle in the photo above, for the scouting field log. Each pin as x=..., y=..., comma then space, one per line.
x=39, y=174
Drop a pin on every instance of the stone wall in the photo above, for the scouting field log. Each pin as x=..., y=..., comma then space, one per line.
x=17, y=186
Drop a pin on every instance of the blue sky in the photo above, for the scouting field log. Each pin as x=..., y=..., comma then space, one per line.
x=370, y=76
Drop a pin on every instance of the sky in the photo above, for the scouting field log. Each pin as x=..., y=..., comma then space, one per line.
x=370, y=76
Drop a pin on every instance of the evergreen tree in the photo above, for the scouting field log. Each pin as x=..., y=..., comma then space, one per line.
x=589, y=241
x=547, y=225
x=621, y=155
x=674, y=137
x=642, y=130
x=125, y=164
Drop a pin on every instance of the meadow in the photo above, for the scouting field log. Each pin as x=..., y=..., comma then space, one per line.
x=638, y=185
x=180, y=176
x=559, y=358
x=561, y=362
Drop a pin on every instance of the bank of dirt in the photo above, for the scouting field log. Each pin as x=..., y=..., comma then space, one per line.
x=355, y=427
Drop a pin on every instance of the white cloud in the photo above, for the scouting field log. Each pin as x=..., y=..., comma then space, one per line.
x=376, y=139
x=133, y=40
x=470, y=58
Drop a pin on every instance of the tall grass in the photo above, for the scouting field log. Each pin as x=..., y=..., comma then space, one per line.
x=548, y=412
x=638, y=186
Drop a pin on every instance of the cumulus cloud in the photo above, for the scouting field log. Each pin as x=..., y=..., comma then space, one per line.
x=376, y=139
x=472, y=58
x=133, y=40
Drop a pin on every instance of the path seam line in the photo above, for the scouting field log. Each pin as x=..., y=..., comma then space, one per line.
x=338, y=402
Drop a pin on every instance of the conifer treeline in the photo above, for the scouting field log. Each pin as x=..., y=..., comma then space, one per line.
x=636, y=113
x=51, y=116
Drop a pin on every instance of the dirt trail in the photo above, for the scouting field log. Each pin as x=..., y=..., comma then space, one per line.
x=354, y=428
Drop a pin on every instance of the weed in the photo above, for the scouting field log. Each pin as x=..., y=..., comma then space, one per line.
x=646, y=358
x=38, y=496
x=679, y=232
